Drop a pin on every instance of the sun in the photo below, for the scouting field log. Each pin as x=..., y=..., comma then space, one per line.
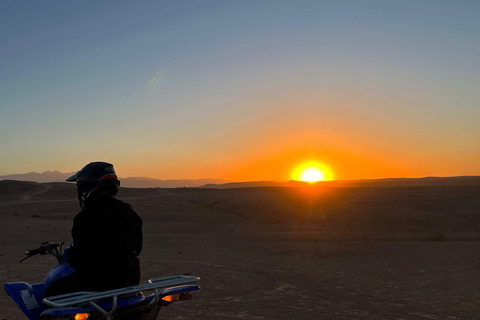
x=312, y=172
x=312, y=175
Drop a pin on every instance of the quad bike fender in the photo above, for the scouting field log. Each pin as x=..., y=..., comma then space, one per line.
x=27, y=297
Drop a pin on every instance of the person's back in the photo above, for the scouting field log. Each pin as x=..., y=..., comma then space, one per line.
x=107, y=236
x=107, y=239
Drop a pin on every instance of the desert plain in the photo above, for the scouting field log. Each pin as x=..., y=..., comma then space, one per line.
x=384, y=252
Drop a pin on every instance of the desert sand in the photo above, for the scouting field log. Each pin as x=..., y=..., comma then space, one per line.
x=279, y=253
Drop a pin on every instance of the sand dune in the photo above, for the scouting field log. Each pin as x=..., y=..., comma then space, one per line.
x=280, y=253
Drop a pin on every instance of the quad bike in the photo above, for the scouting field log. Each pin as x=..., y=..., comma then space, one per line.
x=140, y=302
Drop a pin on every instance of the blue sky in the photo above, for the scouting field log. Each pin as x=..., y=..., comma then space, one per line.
x=194, y=89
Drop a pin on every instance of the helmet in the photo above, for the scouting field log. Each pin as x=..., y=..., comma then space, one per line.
x=93, y=177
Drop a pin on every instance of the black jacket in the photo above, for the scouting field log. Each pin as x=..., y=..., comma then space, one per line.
x=106, y=234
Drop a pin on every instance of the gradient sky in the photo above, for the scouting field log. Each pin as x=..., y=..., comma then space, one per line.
x=241, y=90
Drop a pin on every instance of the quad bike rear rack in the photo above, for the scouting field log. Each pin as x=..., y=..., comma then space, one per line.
x=160, y=286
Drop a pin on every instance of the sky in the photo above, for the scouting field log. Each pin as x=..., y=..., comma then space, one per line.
x=241, y=90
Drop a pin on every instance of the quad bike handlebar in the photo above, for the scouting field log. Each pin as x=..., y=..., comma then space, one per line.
x=53, y=248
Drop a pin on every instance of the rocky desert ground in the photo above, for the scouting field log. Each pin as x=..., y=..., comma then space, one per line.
x=279, y=253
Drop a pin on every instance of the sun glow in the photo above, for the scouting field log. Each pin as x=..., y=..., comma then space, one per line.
x=312, y=172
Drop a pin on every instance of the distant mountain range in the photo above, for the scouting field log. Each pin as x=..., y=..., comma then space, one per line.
x=47, y=176
x=142, y=182
x=131, y=182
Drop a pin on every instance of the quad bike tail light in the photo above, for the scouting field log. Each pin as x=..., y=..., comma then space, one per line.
x=171, y=298
x=82, y=316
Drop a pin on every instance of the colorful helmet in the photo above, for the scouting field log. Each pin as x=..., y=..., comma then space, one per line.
x=93, y=177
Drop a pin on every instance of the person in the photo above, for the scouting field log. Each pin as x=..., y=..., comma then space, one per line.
x=106, y=236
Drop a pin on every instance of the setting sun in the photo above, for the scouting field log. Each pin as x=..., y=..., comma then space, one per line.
x=312, y=172
x=312, y=175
